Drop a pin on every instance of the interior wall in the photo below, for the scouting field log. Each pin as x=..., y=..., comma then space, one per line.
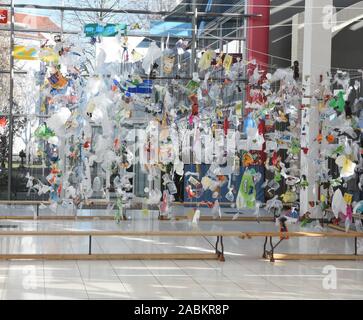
x=281, y=37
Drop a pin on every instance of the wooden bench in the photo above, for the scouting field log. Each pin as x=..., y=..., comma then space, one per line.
x=218, y=247
x=102, y=202
x=270, y=254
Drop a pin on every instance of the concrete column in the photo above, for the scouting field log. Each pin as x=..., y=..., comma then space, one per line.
x=316, y=63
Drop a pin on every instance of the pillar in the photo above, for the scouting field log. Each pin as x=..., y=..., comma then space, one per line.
x=316, y=63
x=258, y=34
x=258, y=41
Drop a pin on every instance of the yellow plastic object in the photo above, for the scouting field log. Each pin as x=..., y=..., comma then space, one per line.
x=247, y=160
x=227, y=63
x=48, y=55
x=321, y=106
x=239, y=107
x=289, y=197
x=348, y=198
x=25, y=53
x=43, y=107
x=347, y=166
x=136, y=56
x=206, y=60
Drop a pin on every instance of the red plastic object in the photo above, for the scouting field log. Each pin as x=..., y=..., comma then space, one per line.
x=3, y=16
x=3, y=122
x=226, y=126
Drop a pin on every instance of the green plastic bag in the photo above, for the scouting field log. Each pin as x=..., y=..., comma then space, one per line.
x=43, y=132
x=247, y=192
x=338, y=103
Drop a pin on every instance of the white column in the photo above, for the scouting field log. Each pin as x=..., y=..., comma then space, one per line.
x=316, y=63
x=297, y=37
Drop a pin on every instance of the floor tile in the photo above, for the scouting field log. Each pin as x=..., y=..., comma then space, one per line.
x=244, y=275
x=65, y=294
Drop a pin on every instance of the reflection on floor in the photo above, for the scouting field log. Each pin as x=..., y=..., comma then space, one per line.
x=244, y=275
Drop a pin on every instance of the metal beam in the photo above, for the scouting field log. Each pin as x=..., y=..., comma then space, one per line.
x=194, y=38
x=11, y=99
x=15, y=72
x=127, y=11
x=143, y=35
x=229, y=15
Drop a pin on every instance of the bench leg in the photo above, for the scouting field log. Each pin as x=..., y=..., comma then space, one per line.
x=272, y=259
x=264, y=256
x=217, y=251
x=90, y=246
x=355, y=246
x=221, y=258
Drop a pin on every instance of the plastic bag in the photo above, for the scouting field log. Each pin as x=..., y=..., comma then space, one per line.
x=227, y=63
x=216, y=210
x=206, y=60
x=347, y=166
x=196, y=217
x=154, y=197
x=247, y=192
x=58, y=120
x=151, y=56
x=44, y=132
x=338, y=203
x=168, y=64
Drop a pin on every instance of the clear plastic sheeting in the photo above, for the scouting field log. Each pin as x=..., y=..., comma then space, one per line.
x=130, y=123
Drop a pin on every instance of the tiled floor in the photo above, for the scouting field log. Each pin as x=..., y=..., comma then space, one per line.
x=206, y=280
x=244, y=275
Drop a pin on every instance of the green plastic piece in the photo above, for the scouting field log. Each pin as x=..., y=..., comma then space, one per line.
x=278, y=176
x=305, y=222
x=295, y=147
x=338, y=103
x=44, y=133
x=338, y=150
x=304, y=184
x=192, y=86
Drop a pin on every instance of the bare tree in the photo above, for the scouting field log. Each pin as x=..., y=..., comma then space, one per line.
x=18, y=122
x=80, y=19
x=18, y=107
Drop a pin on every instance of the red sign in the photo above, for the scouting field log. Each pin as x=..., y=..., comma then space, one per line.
x=3, y=16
